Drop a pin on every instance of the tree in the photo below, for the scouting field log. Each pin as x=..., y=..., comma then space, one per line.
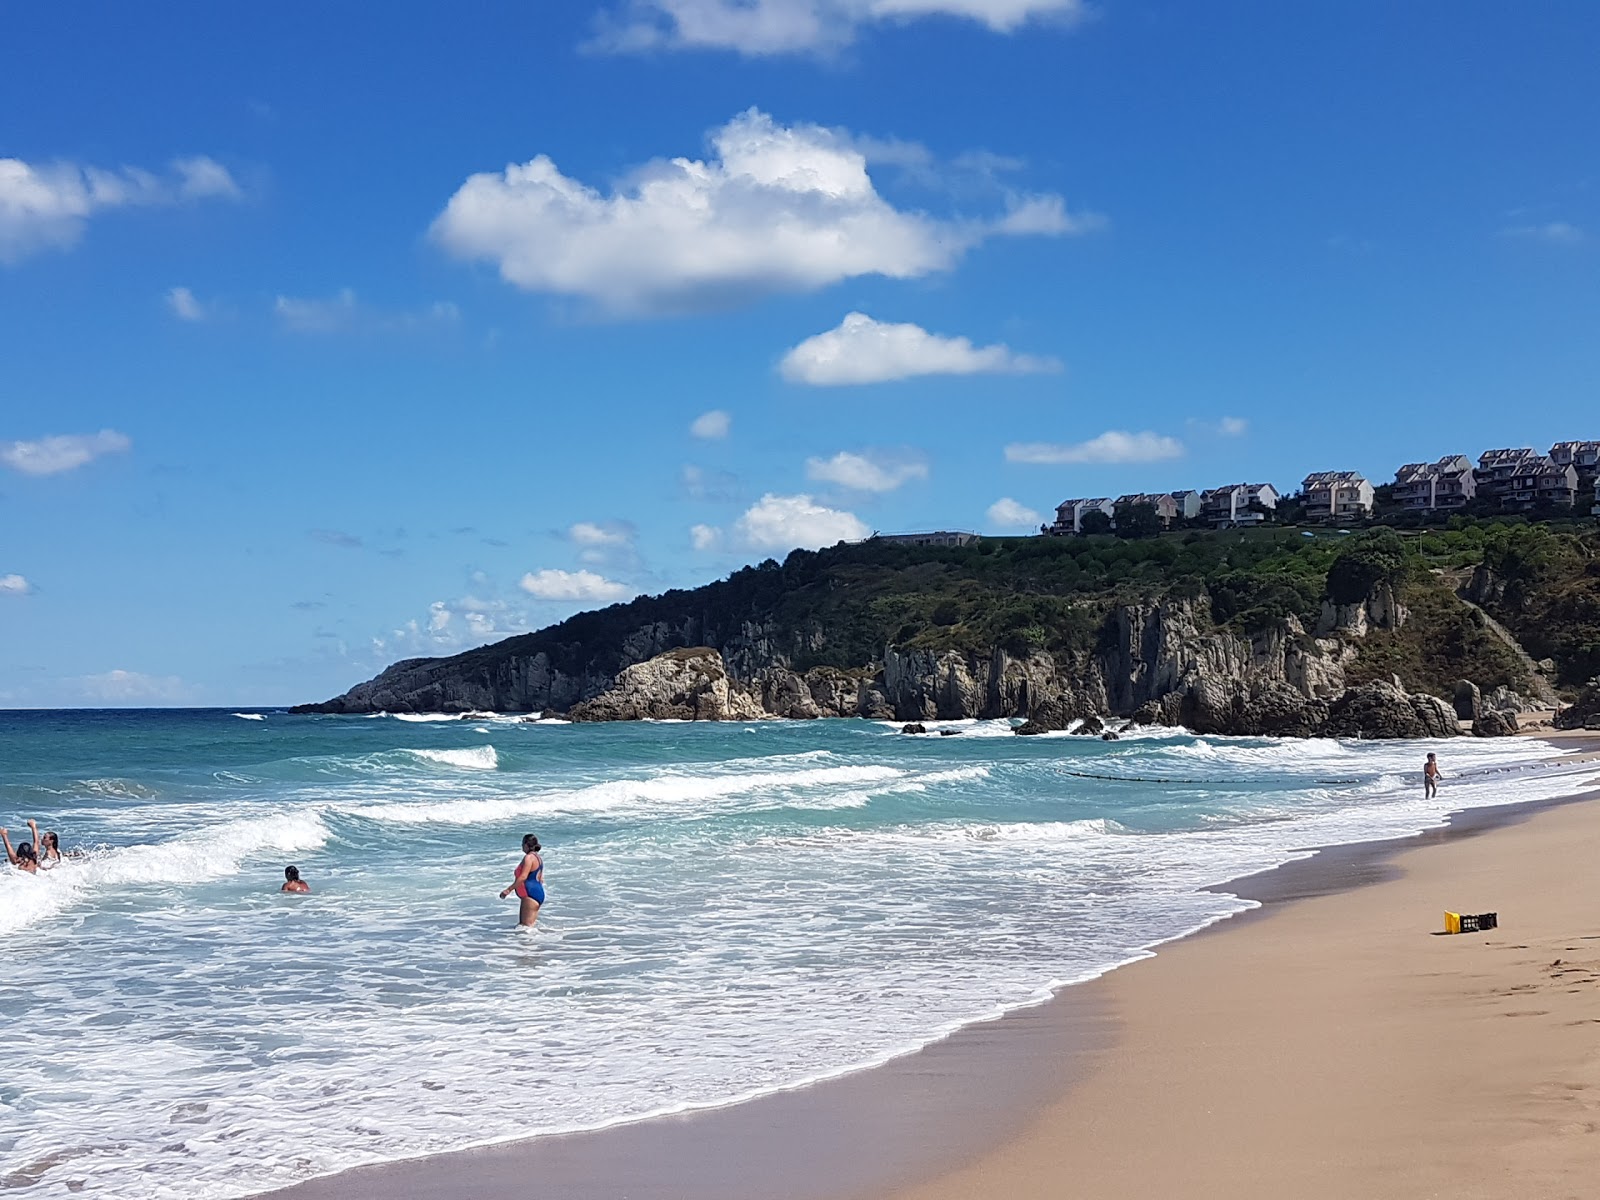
x=1138, y=520
x=1094, y=522
x=1377, y=556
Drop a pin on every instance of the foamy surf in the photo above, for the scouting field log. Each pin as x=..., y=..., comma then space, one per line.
x=700, y=894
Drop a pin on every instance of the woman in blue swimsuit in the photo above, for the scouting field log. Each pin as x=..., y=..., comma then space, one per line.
x=528, y=882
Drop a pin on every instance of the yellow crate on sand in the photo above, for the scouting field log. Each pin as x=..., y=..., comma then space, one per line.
x=1452, y=922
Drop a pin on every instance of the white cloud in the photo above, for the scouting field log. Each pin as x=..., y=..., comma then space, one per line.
x=1113, y=446
x=590, y=533
x=130, y=687
x=1007, y=513
x=202, y=177
x=1233, y=426
x=46, y=207
x=863, y=474
x=768, y=27
x=787, y=522
x=554, y=584
x=705, y=537
x=1558, y=233
x=343, y=313
x=711, y=425
x=862, y=350
x=184, y=305
x=65, y=452
x=775, y=209
x=14, y=585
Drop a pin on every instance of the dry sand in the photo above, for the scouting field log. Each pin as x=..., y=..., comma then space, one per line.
x=1334, y=1047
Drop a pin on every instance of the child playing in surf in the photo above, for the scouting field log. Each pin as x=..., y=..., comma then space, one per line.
x=528, y=882
x=46, y=846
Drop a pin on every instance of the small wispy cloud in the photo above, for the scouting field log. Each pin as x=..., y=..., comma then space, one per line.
x=336, y=537
x=1007, y=513
x=1233, y=426
x=711, y=426
x=861, y=350
x=62, y=452
x=705, y=537
x=1113, y=446
x=131, y=687
x=184, y=305
x=15, y=585
x=47, y=207
x=1554, y=233
x=555, y=584
x=344, y=313
x=865, y=473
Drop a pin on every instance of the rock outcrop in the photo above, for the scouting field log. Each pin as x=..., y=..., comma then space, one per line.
x=686, y=685
x=1159, y=661
x=1584, y=710
x=1495, y=724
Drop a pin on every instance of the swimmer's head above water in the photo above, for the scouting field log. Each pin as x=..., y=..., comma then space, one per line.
x=292, y=874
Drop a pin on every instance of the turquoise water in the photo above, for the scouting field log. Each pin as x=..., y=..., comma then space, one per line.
x=732, y=909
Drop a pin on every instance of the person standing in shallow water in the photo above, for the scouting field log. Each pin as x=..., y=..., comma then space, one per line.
x=528, y=882
x=292, y=881
x=1430, y=777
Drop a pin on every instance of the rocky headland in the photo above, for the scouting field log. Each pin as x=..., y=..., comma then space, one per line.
x=1375, y=643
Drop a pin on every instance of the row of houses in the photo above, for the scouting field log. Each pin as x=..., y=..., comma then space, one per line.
x=1514, y=479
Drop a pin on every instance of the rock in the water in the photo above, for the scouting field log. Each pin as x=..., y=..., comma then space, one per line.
x=1030, y=728
x=948, y=732
x=1110, y=735
x=1091, y=725
x=1494, y=723
x=913, y=728
x=687, y=685
x=1468, y=700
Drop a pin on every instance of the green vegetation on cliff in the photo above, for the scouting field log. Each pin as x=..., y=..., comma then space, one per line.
x=841, y=606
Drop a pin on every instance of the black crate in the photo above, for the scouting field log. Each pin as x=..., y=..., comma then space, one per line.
x=1479, y=922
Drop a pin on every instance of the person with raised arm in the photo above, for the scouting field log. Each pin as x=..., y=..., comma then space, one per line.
x=23, y=857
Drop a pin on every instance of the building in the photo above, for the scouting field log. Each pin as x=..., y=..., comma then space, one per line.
x=937, y=537
x=1337, y=495
x=1596, y=509
x=1070, y=514
x=1164, y=503
x=1541, y=481
x=1429, y=487
x=1496, y=467
x=1188, y=503
x=1583, y=457
x=1238, y=504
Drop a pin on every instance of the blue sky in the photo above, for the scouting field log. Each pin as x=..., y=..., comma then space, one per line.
x=332, y=339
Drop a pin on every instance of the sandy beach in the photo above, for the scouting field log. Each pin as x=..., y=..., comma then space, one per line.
x=1331, y=1043
x=1337, y=1046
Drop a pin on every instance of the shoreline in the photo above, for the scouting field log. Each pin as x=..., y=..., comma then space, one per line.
x=917, y=1117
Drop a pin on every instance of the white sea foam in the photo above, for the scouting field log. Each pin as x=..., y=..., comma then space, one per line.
x=679, y=960
x=250, y=716
x=668, y=790
x=206, y=854
x=477, y=758
x=422, y=718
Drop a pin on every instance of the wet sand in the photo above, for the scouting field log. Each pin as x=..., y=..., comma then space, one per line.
x=1328, y=1044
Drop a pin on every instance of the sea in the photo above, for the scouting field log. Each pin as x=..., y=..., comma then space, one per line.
x=733, y=909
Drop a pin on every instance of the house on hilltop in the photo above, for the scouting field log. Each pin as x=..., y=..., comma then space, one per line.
x=1164, y=504
x=1540, y=481
x=1496, y=467
x=1428, y=487
x=1583, y=457
x=1238, y=504
x=937, y=537
x=1337, y=495
x=1070, y=514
